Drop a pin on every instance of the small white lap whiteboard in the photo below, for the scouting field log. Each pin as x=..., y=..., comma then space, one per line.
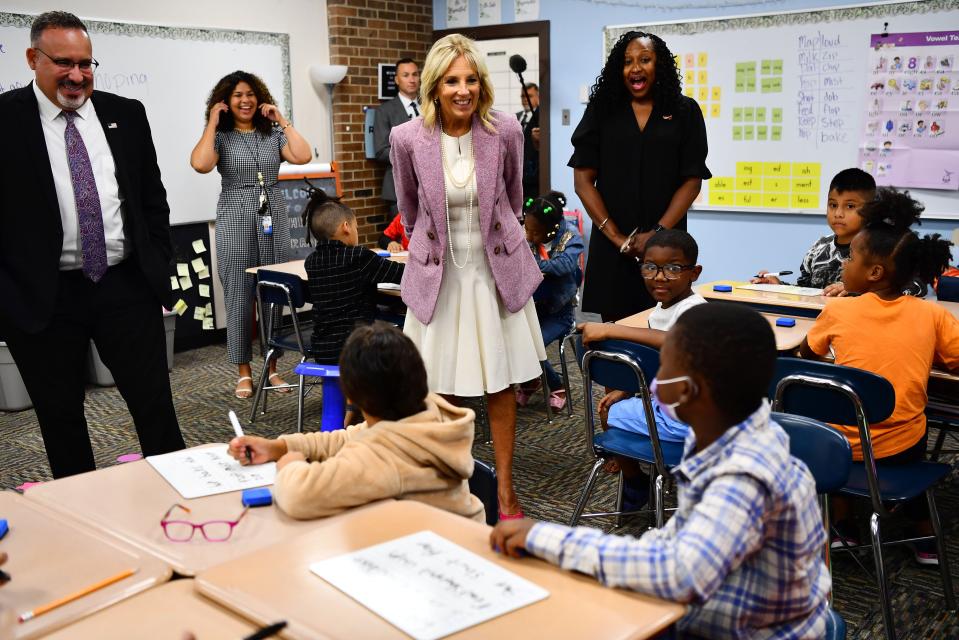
x=195, y=473
x=782, y=288
x=427, y=586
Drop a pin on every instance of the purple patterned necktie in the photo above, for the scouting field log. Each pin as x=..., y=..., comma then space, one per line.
x=89, y=214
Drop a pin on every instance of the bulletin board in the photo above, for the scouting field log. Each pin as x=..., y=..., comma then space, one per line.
x=790, y=99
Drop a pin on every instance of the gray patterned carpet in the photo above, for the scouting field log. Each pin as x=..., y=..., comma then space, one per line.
x=551, y=466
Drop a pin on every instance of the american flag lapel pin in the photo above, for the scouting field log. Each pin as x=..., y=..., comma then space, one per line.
x=111, y=125
x=668, y=116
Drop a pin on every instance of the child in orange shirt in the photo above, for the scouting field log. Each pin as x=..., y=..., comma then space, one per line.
x=891, y=334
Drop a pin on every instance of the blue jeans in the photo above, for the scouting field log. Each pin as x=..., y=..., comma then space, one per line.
x=554, y=328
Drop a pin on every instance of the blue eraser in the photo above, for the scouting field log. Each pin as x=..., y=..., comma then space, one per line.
x=259, y=497
x=724, y=288
x=383, y=252
x=4, y=527
x=785, y=322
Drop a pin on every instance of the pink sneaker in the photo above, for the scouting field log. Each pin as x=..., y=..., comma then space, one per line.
x=557, y=399
x=526, y=391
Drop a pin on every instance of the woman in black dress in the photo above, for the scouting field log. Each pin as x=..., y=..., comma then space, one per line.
x=638, y=164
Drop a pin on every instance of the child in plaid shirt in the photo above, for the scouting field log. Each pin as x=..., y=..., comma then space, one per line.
x=744, y=548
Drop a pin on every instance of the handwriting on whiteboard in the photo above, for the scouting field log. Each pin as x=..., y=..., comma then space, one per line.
x=195, y=473
x=427, y=586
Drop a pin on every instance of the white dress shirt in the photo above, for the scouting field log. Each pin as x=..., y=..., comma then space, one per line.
x=406, y=104
x=104, y=172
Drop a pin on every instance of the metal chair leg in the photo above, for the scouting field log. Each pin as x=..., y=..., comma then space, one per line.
x=565, y=368
x=587, y=491
x=264, y=378
x=545, y=388
x=300, y=392
x=620, y=485
x=941, y=550
x=827, y=551
x=660, y=507
x=940, y=440
x=884, y=601
x=488, y=430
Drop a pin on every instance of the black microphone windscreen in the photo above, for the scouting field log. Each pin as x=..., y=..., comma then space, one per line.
x=517, y=63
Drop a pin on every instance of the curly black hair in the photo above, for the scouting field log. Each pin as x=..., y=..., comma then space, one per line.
x=221, y=93
x=610, y=91
x=888, y=236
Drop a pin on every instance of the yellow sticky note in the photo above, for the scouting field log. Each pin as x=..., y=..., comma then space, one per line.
x=720, y=184
x=186, y=283
x=208, y=309
x=180, y=307
x=747, y=199
x=688, y=92
x=702, y=77
x=690, y=60
x=716, y=93
x=702, y=59
x=776, y=185
x=747, y=184
x=703, y=94
x=689, y=77
x=207, y=324
x=198, y=246
x=182, y=269
x=721, y=198
x=749, y=168
x=714, y=110
x=776, y=200
x=204, y=290
x=203, y=274
x=805, y=201
x=198, y=313
x=173, y=283
x=806, y=169
x=198, y=264
x=776, y=169
x=805, y=185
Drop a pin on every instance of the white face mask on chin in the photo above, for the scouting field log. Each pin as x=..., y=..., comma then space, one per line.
x=670, y=408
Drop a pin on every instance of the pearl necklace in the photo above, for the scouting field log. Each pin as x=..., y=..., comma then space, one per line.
x=468, y=183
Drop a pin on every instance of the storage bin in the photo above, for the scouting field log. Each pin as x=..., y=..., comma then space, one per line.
x=13, y=395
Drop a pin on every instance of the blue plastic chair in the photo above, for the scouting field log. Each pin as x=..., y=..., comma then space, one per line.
x=848, y=396
x=334, y=403
x=276, y=291
x=483, y=485
x=835, y=626
x=625, y=366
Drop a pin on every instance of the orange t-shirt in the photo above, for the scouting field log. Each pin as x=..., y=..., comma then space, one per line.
x=897, y=339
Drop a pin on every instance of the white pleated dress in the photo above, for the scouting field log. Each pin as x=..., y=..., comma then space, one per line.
x=473, y=344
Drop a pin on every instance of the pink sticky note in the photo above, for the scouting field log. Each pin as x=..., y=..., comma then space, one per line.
x=129, y=457
x=27, y=485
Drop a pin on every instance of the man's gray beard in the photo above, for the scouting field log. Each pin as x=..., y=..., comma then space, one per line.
x=71, y=104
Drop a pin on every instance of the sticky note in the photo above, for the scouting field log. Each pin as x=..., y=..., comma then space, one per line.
x=776, y=185
x=805, y=185
x=747, y=184
x=690, y=60
x=721, y=198
x=198, y=246
x=204, y=290
x=720, y=184
x=198, y=264
x=688, y=92
x=805, y=201
x=208, y=309
x=809, y=169
x=775, y=168
x=173, y=283
x=207, y=324
x=689, y=77
x=777, y=67
x=776, y=85
x=777, y=133
x=716, y=93
x=737, y=114
x=747, y=199
x=750, y=85
x=749, y=132
x=760, y=114
x=702, y=77
x=198, y=313
x=749, y=168
x=186, y=283
x=703, y=94
x=702, y=59
x=776, y=200
x=203, y=275
x=714, y=110
x=748, y=114
x=737, y=133
x=740, y=85
x=180, y=307
x=777, y=114
x=766, y=67
x=762, y=132
x=182, y=269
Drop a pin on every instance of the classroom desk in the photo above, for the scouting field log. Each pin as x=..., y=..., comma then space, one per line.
x=52, y=556
x=161, y=613
x=298, y=268
x=787, y=338
x=276, y=584
x=128, y=500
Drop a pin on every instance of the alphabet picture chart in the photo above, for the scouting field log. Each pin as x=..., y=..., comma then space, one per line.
x=427, y=586
x=911, y=134
x=196, y=473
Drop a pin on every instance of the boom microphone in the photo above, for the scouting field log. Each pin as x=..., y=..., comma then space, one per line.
x=517, y=63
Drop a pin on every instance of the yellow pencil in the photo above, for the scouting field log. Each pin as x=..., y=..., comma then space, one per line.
x=29, y=615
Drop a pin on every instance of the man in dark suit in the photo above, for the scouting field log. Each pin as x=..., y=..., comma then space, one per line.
x=529, y=120
x=396, y=111
x=84, y=246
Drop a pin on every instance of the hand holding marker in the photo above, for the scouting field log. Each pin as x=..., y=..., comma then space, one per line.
x=239, y=434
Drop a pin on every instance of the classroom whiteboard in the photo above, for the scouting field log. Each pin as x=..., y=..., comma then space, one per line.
x=171, y=70
x=801, y=80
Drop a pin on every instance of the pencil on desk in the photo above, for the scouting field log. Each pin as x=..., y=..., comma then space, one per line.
x=29, y=615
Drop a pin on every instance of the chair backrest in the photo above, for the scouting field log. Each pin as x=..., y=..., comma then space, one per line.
x=273, y=291
x=948, y=288
x=483, y=485
x=824, y=450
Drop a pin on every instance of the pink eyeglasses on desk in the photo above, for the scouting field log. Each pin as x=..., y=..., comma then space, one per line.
x=212, y=530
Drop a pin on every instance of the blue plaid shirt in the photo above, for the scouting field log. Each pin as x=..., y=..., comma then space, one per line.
x=744, y=547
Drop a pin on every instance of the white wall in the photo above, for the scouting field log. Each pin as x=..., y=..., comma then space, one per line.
x=304, y=20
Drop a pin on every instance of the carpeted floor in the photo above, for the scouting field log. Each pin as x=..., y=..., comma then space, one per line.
x=550, y=468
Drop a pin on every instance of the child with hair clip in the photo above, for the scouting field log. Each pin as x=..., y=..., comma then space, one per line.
x=342, y=275
x=892, y=334
x=557, y=247
x=412, y=444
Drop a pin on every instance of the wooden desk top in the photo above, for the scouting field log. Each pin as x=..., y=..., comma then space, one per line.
x=162, y=613
x=787, y=338
x=128, y=500
x=52, y=556
x=815, y=303
x=276, y=584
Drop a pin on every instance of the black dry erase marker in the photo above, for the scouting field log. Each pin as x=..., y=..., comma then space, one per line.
x=266, y=632
x=4, y=577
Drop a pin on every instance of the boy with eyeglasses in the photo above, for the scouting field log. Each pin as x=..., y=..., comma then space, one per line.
x=669, y=269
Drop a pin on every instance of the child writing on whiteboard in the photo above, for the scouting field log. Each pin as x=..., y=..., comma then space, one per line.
x=412, y=444
x=821, y=268
x=744, y=547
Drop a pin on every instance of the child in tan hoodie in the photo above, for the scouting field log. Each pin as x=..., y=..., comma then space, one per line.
x=412, y=445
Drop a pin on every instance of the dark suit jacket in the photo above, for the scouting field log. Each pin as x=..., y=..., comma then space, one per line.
x=31, y=235
x=388, y=115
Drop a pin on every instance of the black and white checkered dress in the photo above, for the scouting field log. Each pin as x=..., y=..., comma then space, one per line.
x=240, y=241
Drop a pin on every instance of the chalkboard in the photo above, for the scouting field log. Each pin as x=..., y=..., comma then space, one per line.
x=295, y=191
x=788, y=100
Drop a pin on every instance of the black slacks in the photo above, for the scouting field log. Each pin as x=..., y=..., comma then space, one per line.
x=122, y=316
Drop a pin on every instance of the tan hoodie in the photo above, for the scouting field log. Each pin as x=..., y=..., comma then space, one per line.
x=425, y=457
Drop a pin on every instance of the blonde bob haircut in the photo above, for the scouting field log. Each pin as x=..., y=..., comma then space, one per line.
x=442, y=54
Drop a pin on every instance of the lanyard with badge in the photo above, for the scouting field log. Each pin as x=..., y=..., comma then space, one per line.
x=263, y=210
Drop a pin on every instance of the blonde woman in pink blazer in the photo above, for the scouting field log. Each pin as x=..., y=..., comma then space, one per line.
x=470, y=276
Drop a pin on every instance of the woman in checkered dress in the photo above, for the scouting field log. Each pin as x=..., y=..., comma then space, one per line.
x=245, y=138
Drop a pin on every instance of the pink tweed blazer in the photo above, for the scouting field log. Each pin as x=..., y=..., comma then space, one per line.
x=418, y=175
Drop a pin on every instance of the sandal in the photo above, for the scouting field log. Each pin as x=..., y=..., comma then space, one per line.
x=281, y=381
x=241, y=391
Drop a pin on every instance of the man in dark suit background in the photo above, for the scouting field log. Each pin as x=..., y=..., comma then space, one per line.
x=398, y=110
x=530, y=126
x=85, y=246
